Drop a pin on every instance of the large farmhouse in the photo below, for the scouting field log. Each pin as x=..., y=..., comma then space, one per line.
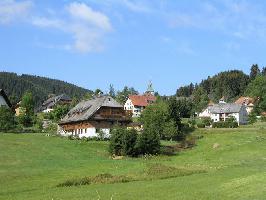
x=4, y=101
x=92, y=117
x=223, y=111
x=50, y=103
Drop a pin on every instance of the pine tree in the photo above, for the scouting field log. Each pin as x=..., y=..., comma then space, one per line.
x=254, y=71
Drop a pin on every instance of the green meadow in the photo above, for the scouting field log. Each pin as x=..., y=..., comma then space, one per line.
x=225, y=164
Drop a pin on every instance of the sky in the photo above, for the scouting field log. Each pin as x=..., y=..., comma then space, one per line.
x=95, y=43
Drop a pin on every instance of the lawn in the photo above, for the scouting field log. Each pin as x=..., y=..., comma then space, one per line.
x=32, y=165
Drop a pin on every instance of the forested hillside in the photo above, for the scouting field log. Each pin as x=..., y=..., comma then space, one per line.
x=40, y=87
x=230, y=84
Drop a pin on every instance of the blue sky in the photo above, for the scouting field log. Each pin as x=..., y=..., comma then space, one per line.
x=94, y=43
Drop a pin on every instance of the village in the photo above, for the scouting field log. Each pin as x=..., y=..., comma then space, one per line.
x=102, y=112
x=103, y=140
x=132, y=100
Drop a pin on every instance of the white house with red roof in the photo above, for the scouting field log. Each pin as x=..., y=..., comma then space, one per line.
x=137, y=103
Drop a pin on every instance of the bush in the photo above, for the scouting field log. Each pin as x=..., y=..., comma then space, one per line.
x=263, y=118
x=207, y=121
x=225, y=124
x=252, y=118
x=188, y=142
x=116, y=141
x=7, y=119
x=170, y=130
x=148, y=142
x=129, y=143
x=201, y=125
x=52, y=128
x=192, y=122
x=101, y=135
x=125, y=142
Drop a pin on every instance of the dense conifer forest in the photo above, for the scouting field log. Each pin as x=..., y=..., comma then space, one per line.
x=16, y=85
x=229, y=84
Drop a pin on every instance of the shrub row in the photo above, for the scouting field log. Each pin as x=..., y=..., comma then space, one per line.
x=225, y=124
x=99, y=179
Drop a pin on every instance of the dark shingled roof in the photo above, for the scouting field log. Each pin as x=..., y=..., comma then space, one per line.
x=3, y=94
x=51, y=102
x=85, y=109
x=225, y=108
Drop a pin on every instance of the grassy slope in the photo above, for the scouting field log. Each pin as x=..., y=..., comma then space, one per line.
x=31, y=165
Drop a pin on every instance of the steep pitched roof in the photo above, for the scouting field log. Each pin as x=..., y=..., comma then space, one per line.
x=62, y=97
x=3, y=94
x=86, y=109
x=225, y=108
x=245, y=101
x=51, y=102
x=142, y=100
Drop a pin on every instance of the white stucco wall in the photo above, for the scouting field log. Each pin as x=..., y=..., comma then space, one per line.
x=215, y=117
x=87, y=133
x=128, y=105
x=136, y=111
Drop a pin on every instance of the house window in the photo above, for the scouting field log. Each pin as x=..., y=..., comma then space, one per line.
x=85, y=130
x=81, y=131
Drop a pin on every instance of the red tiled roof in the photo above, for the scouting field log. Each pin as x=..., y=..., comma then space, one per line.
x=245, y=100
x=142, y=100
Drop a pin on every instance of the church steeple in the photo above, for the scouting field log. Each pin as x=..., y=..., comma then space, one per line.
x=150, y=89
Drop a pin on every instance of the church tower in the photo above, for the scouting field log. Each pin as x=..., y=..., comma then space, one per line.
x=150, y=90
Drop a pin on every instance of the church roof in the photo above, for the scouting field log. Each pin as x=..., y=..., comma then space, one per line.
x=142, y=100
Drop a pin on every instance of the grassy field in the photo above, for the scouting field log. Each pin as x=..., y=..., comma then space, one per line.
x=32, y=165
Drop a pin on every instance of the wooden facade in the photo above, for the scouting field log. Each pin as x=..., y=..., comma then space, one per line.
x=89, y=118
x=105, y=117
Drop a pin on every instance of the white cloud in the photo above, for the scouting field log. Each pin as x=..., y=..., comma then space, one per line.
x=86, y=26
x=83, y=12
x=11, y=10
